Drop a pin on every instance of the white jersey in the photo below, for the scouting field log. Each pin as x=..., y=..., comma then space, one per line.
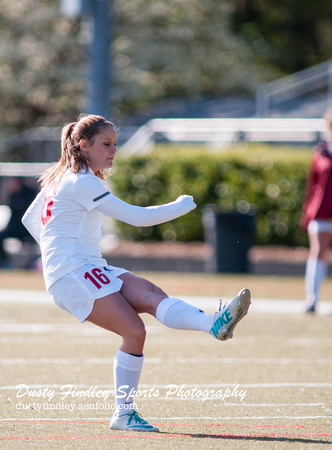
x=66, y=218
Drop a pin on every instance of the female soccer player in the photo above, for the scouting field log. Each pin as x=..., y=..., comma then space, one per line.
x=65, y=219
x=317, y=215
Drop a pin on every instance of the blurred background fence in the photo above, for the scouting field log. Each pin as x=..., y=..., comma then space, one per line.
x=43, y=144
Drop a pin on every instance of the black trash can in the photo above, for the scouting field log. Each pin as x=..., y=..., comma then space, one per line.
x=230, y=235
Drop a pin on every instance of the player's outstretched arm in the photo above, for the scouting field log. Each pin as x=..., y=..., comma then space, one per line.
x=146, y=216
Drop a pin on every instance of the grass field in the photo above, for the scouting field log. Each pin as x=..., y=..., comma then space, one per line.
x=269, y=387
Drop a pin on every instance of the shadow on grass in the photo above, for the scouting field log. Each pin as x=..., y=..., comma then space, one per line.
x=290, y=439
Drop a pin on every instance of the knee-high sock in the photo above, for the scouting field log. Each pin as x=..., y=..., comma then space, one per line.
x=175, y=313
x=127, y=370
x=315, y=273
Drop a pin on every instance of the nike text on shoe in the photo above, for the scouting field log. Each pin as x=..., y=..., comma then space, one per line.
x=131, y=421
x=230, y=315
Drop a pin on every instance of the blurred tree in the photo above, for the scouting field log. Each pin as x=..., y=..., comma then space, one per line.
x=160, y=48
x=41, y=65
x=298, y=33
x=181, y=48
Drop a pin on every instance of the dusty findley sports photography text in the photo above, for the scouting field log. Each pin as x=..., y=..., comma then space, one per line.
x=170, y=391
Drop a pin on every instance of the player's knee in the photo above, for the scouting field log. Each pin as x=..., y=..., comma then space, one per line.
x=137, y=332
x=159, y=292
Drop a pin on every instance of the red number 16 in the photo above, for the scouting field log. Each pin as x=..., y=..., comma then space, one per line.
x=95, y=276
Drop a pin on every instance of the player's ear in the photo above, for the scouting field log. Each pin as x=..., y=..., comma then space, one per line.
x=83, y=145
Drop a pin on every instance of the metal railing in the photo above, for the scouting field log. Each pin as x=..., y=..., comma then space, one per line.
x=215, y=133
x=40, y=144
x=9, y=169
x=307, y=80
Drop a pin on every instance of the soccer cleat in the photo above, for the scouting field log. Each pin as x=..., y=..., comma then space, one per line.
x=131, y=421
x=230, y=315
x=310, y=309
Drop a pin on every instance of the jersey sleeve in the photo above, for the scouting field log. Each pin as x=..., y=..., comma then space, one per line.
x=32, y=217
x=90, y=192
x=146, y=216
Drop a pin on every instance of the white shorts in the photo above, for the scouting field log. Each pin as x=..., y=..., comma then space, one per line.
x=77, y=291
x=320, y=226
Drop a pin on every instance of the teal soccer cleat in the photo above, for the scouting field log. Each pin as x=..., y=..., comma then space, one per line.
x=131, y=421
x=230, y=315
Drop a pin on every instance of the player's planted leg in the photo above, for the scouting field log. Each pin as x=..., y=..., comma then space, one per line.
x=127, y=371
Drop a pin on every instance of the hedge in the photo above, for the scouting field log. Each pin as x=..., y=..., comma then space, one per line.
x=268, y=180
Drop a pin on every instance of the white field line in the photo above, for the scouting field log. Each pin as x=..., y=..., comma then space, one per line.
x=11, y=326
x=241, y=403
x=243, y=361
x=210, y=304
x=187, y=418
x=240, y=418
x=22, y=296
x=187, y=386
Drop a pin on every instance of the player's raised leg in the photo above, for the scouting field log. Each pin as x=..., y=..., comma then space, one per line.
x=144, y=296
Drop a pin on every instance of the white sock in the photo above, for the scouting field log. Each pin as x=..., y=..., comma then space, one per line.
x=175, y=313
x=127, y=370
x=316, y=270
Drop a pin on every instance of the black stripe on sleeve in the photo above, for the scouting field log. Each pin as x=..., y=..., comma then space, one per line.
x=101, y=196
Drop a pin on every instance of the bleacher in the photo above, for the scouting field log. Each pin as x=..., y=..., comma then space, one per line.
x=215, y=133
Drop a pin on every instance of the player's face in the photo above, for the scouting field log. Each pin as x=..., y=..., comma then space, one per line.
x=101, y=152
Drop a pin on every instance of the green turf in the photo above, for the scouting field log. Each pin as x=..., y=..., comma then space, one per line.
x=282, y=363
